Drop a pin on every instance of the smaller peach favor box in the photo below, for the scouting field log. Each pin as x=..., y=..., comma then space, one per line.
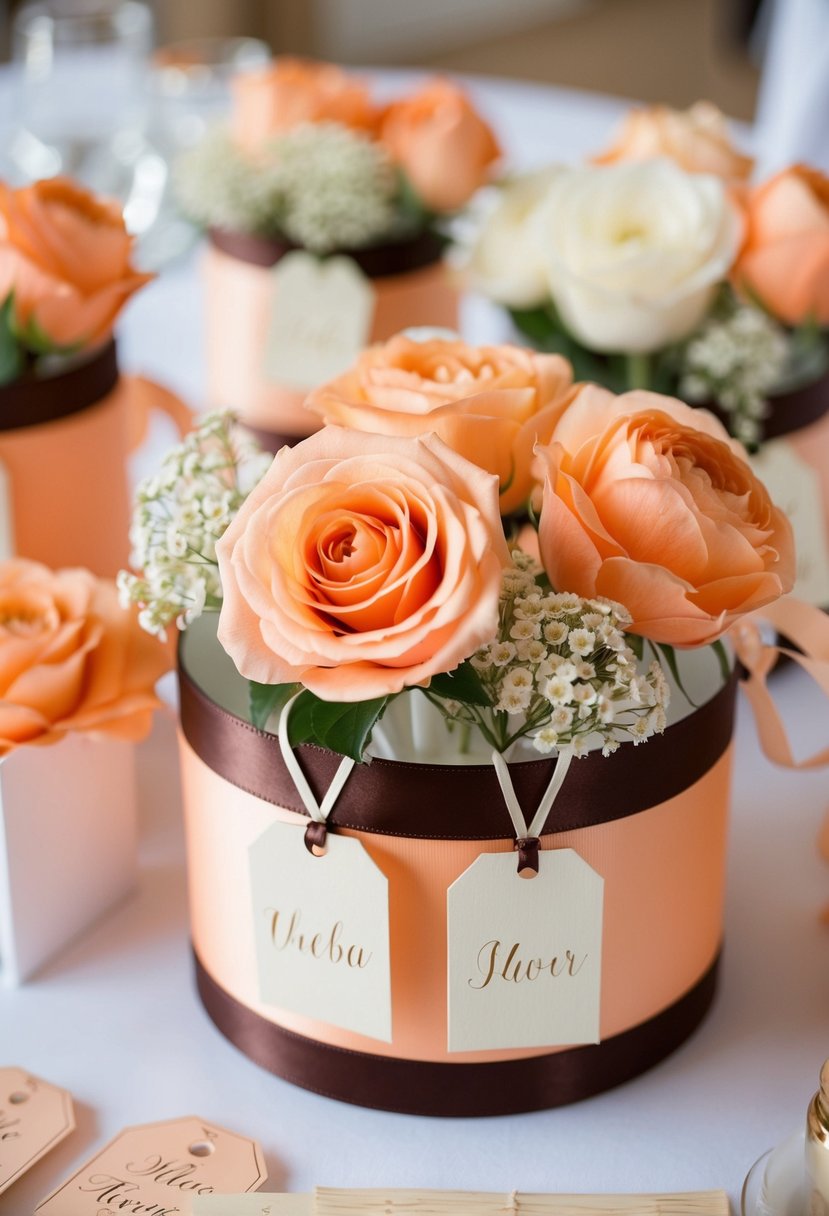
x=68, y=845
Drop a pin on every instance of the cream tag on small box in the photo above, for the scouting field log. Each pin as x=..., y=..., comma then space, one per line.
x=321, y=314
x=34, y=1117
x=322, y=930
x=160, y=1168
x=524, y=955
x=795, y=487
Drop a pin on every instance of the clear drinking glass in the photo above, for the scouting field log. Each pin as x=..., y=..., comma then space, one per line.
x=81, y=91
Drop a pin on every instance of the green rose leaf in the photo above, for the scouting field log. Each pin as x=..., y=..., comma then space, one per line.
x=268, y=699
x=11, y=355
x=342, y=728
x=462, y=684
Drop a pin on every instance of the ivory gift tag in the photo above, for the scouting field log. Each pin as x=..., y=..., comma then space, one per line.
x=274, y=1204
x=159, y=1169
x=322, y=930
x=795, y=487
x=321, y=314
x=524, y=955
x=34, y=1117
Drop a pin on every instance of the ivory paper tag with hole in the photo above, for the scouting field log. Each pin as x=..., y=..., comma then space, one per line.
x=158, y=1169
x=321, y=314
x=795, y=487
x=524, y=955
x=322, y=930
x=34, y=1117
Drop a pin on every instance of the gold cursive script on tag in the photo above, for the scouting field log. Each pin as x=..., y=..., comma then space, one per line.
x=493, y=966
x=324, y=946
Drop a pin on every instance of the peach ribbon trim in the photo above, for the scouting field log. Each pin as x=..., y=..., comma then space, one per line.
x=807, y=627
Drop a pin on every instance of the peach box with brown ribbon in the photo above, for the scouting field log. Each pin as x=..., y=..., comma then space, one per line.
x=64, y=443
x=650, y=820
x=411, y=285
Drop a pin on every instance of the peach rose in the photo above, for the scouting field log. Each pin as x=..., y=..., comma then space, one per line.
x=71, y=659
x=490, y=403
x=294, y=91
x=785, y=257
x=697, y=139
x=361, y=565
x=66, y=256
x=441, y=143
x=649, y=503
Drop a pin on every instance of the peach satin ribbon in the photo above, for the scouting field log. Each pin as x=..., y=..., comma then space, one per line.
x=807, y=627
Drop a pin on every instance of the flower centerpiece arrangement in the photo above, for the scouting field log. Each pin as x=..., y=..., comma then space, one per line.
x=377, y=600
x=67, y=416
x=659, y=265
x=326, y=212
x=78, y=679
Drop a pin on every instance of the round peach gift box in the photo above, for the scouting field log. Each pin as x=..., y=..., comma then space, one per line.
x=410, y=283
x=650, y=819
x=64, y=442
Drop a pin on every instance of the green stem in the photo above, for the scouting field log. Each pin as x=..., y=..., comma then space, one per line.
x=638, y=370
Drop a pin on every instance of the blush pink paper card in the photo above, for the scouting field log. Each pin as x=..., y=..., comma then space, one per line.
x=34, y=1117
x=159, y=1169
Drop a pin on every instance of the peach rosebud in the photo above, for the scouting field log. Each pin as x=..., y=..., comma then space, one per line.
x=441, y=143
x=361, y=565
x=697, y=139
x=649, y=503
x=290, y=92
x=71, y=659
x=66, y=256
x=490, y=403
x=785, y=257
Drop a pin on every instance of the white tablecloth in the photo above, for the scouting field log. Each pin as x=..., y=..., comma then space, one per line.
x=116, y=1019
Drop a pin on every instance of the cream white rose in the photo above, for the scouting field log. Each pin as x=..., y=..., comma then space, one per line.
x=505, y=262
x=634, y=252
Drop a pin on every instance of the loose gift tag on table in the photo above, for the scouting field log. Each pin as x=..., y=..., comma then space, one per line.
x=322, y=930
x=159, y=1168
x=321, y=311
x=34, y=1117
x=524, y=955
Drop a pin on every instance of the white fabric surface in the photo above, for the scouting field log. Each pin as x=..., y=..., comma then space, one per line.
x=793, y=107
x=117, y=1021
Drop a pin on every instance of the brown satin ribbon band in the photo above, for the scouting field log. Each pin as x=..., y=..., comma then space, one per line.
x=33, y=400
x=398, y=799
x=418, y=1087
x=271, y=441
x=375, y=261
x=790, y=411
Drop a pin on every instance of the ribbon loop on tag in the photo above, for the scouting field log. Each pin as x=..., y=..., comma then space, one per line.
x=315, y=833
x=527, y=848
x=807, y=628
x=526, y=835
x=315, y=837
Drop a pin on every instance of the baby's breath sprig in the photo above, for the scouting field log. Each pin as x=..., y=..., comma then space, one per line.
x=735, y=359
x=560, y=671
x=322, y=186
x=179, y=515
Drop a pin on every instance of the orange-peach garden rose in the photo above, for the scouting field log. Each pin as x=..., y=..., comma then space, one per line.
x=696, y=138
x=71, y=659
x=490, y=403
x=361, y=565
x=291, y=91
x=441, y=143
x=66, y=256
x=649, y=503
x=785, y=258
